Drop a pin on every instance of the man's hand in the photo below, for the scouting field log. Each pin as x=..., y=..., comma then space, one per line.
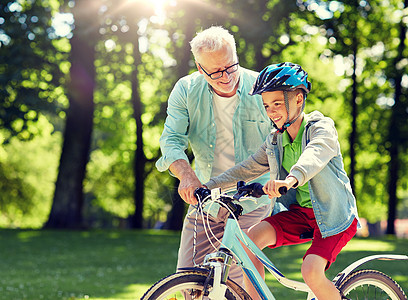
x=188, y=180
x=271, y=188
x=187, y=187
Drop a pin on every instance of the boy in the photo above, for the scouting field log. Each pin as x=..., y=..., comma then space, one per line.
x=302, y=153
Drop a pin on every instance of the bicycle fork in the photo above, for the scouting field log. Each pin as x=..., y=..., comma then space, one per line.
x=220, y=264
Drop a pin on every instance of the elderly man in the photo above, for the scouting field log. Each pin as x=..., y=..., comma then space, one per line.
x=212, y=110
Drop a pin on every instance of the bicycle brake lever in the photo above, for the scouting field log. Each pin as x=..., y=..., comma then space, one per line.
x=240, y=194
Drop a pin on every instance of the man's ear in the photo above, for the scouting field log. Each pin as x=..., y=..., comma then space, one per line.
x=198, y=68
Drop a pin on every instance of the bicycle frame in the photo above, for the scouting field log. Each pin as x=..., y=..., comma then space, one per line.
x=232, y=243
x=232, y=239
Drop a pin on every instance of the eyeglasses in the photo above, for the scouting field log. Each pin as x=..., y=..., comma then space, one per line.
x=216, y=75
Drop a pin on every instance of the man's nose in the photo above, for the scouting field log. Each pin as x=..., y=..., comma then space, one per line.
x=225, y=75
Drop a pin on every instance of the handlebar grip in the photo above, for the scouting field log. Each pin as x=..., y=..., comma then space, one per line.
x=252, y=189
x=257, y=190
x=283, y=190
x=240, y=184
x=202, y=193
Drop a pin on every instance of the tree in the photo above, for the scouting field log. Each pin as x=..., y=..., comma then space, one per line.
x=125, y=69
x=140, y=158
x=362, y=37
x=31, y=101
x=184, y=31
x=396, y=135
x=66, y=211
x=29, y=71
x=343, y=27
x=139, y=162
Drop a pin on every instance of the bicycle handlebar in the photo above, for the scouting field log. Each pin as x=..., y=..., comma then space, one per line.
x=252, y=189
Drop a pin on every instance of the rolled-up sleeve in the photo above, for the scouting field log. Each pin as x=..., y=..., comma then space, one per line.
x=174, y=140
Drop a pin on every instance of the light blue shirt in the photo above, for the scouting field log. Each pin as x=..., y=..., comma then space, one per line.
x=190, y=119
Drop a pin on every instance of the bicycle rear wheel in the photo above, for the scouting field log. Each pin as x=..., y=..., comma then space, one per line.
x=190, y=285
x=371, y=284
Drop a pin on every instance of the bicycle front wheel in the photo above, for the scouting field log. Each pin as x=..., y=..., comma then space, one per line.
x=190, y=285
x=372, y=285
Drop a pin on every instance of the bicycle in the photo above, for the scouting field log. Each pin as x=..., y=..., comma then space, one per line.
x=210, y=280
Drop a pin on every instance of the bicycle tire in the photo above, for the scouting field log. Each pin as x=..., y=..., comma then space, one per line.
x=175, y=286
x=371, y=284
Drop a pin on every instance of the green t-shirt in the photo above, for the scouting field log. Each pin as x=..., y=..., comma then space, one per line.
x=291, y=154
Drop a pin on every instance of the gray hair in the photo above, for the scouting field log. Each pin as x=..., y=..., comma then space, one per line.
x=211, y=40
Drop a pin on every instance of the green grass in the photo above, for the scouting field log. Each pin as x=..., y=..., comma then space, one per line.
x=123, y=264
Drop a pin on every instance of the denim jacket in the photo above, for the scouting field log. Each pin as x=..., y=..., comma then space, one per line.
x=320, y=165
x=190, y=119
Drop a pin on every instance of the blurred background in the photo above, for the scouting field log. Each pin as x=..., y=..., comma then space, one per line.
x=84, y=88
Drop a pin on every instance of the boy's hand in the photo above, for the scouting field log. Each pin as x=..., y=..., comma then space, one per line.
x=271, y=188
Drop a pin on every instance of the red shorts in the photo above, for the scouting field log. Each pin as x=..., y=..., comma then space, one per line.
x=289, y=225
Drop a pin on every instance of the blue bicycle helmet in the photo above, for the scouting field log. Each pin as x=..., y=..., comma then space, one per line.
x=282, y=77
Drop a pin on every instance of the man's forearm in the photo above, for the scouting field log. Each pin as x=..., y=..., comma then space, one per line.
x=182, y=169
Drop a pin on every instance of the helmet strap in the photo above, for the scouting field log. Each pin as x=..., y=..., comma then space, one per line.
x=287, y=123
x=286, y=97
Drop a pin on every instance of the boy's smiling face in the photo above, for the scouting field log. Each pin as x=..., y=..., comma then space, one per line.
x=274, y=103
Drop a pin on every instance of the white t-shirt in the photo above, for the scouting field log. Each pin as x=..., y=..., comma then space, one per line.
x=224, y=154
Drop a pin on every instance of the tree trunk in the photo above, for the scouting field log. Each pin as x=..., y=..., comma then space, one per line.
x=66, y=211
x=175, y=216
x=397, y=117
x=392, y=184
x=353, y=133
x=140, y=159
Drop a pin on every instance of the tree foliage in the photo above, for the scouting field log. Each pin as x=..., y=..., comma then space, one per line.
x=30, y=75
x=28, y=170
x=362, y=40
x=355, y=53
